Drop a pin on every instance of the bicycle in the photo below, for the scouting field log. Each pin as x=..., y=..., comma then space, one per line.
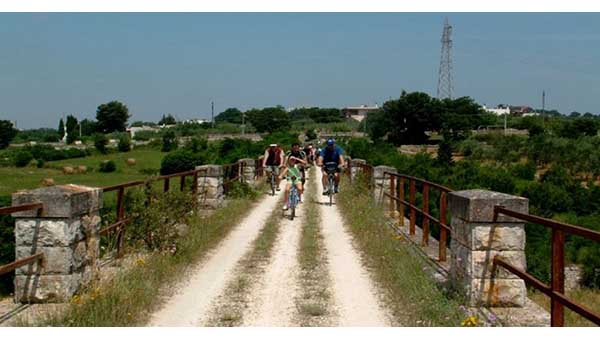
x=330, y=170
x=293, y=199
x=273, y=182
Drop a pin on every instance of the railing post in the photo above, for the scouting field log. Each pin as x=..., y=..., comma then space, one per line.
x=166, y=185
x=249, y=170
x=381, y=179
x=181, y=183
x=195, y=183
x=477, y=239
x=425, y=238
x=67, y=235
x=558, y=277
x=443, y=231
x=400, y=204
x=120, y=217
x=413, y=213
x=392, y=193
x=356, y=167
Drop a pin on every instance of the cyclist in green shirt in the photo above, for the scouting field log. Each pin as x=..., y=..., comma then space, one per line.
x=293, y=177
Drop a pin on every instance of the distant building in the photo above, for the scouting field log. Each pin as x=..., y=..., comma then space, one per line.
x=196, y=121
x=135, y=129
x=499, y=110
x=520, y=110
x=359, y=112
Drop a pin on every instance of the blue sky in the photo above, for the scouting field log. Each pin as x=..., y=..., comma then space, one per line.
x=52, y=64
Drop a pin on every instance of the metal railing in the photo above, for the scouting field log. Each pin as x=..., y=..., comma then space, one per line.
x=556, y=289
x=398, y=203
x=37, y=257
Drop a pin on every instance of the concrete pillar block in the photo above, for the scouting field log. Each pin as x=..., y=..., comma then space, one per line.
x=477, y=239
x=67, y=235
x=210, y=186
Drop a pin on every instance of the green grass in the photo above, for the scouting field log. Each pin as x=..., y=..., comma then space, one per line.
x=313, y=276
x=586, y=296
x=130, y=298
x=412, y=295
x=13, y=179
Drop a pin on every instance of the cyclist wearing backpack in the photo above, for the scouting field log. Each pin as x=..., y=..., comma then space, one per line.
x=330, y=159
x=272, y=161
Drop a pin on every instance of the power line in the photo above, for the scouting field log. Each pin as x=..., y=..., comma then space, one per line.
x=445, y=87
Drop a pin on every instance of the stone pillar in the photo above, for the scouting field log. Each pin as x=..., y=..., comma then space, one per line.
x=378, y=175
x=210, y=186
x=355, y=170
x=67, y=235
x=476, y=240
x=249, y=170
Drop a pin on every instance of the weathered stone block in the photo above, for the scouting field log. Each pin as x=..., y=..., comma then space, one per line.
x=62, y=201
x=47, y=232
x=46, y=288
x=479, y=264
x=58, y=260
x=480, y=236
x=378, y=171
x=497, y=293
x=478, y=205
x=211, y=203
x=210, y=170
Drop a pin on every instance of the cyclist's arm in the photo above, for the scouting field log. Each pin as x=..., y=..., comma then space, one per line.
x=301, y=160
x=342, y=163
x=283, y=172
x=320, y=161
x=265, y=156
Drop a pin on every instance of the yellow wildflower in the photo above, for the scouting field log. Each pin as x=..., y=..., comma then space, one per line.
x=471, y=321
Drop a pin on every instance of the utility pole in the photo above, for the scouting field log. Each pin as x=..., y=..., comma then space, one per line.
x=505, y=115
x=243, y=123
x=212, y=114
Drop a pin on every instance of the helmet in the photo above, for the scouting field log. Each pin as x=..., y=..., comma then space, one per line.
x=330, y=141
x=273, y=145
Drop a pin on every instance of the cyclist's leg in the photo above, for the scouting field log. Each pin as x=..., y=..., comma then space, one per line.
x=336, y=181
x=288, y=186
x=325, y=181
x=277, y=179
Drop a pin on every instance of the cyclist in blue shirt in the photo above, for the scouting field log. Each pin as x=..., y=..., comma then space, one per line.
x=330, y=159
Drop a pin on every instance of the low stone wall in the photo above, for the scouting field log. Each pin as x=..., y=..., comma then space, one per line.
x=210, y=186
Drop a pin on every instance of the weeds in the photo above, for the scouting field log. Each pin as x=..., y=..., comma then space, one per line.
x=130, y=297
x=413, y=296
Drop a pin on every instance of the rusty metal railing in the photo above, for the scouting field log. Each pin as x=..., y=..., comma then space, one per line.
x=37, y=257
x=398, y=203
x=232, y=173
x=556, y=289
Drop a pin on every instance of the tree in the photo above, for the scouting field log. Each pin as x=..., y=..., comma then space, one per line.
x=7, y=133
x=100, y=142
x=269, y=119
x=88, y=127
x=167, y=120
x=112, y=117
x=61, y=128
x=124, y=144
x=169, y=141
x=71, y=128
x=231, y=115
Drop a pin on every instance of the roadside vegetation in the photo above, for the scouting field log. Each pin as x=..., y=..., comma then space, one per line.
x=134, y=292
x=413, y=297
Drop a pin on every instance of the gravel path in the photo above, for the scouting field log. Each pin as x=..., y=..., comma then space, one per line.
x=354, y=294
x=272, y=303
x=191, y=304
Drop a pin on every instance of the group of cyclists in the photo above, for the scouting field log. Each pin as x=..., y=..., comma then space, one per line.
x=292, y=165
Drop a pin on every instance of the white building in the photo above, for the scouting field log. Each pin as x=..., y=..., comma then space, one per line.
x=499, y=110
x=359, y=112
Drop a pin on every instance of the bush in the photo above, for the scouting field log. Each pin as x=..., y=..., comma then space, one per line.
x=242, y=190
x=169, y=141
x=100, y=142
x=179, y=161
x=524, y=171
x=107, y=166
x=40, y=163
x=311, y=135
x=22, y=158
x=124, y=144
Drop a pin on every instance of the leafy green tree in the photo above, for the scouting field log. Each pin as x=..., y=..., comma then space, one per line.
x=72, y=129
x=61, y=128
x=231, y=115
x=124, y=143
x=139, y=123
x=7, y=133
x=88, y=127
x=112, y=116
x=444, y=155
x=169, y=141
x=167, y=120
x=100, y=142
x=378, y=124
x=269, y=119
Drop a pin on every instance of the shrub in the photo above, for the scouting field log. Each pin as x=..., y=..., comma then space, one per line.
x=169, y=141
x=124, y=144
x=241, y=190
x=40, y=163
x=179, y=161
x=22, y=158
x=524, y=171
x=100, y=142
x=311, y=135
x=107, y=166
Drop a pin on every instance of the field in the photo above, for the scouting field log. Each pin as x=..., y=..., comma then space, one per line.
x=13, y=179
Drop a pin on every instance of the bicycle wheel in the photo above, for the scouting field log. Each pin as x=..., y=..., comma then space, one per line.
x=272, y=185
x=330, y=191
x=293, y=202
